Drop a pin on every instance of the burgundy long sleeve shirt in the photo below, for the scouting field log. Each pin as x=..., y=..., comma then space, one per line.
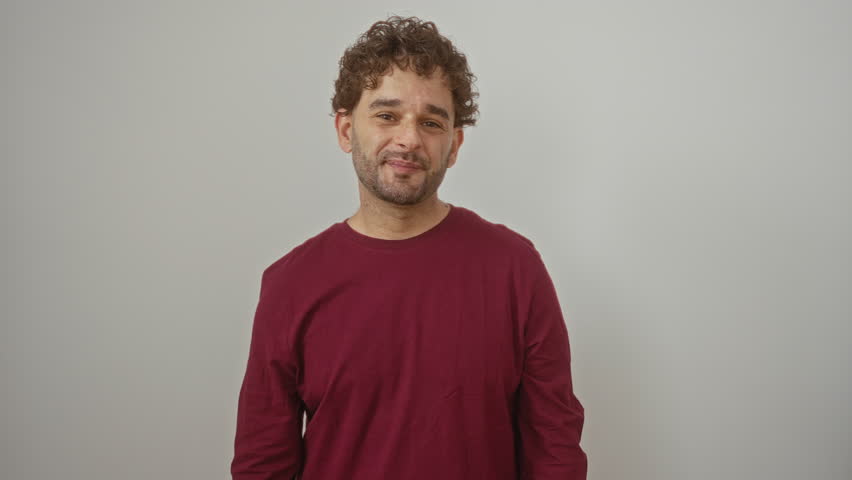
x=442, y=356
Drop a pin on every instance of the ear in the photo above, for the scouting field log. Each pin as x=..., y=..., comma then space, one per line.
x=343, y=125
x=458, y=139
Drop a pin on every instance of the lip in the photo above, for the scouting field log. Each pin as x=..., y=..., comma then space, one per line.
x=403, y=166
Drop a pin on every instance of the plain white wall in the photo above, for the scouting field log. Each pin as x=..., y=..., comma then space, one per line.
x=684, y=168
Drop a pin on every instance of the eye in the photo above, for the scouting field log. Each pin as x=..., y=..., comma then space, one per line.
x=385, y=116
x=433, y=124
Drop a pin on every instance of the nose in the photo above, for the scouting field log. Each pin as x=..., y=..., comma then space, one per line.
x=407, y=136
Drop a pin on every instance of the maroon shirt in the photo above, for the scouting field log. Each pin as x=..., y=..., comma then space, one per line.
x=441, y=356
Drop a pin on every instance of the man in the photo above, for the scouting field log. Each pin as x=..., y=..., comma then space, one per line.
x=421, y=340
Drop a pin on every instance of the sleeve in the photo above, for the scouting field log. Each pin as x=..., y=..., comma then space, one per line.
x=268, y=440
x=550, y=417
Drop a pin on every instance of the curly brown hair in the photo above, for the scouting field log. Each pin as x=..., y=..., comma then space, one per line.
x=408, y=43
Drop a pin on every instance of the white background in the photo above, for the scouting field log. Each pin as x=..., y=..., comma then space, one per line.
x=683, y=167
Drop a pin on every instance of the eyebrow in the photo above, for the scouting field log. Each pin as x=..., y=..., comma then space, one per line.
x=395, y=102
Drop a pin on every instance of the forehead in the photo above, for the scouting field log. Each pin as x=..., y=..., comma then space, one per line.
x=411, y=89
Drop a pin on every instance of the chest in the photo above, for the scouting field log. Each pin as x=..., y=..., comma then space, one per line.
x=395, y=335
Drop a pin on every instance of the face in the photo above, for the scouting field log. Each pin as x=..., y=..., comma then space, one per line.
x=401, y=137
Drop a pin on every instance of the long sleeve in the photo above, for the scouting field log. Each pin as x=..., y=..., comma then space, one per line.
x=268, y=441
x=550, y=417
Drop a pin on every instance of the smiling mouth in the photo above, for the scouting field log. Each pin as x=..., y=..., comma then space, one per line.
x=403, y=163
x=403, y=167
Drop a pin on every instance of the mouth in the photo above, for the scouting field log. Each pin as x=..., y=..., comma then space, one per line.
x=403, y=166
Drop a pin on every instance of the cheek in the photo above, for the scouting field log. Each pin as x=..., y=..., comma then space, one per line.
x=377, y=143
x=443, y=147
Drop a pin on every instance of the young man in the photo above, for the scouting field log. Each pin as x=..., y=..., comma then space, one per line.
x=421, y=340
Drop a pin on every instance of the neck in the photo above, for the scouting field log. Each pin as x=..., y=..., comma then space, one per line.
x=379, y=219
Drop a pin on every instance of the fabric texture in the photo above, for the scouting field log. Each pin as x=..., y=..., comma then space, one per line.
x=441, y=356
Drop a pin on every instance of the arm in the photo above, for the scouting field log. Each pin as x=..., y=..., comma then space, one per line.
x=550, y=417
x=268, y=441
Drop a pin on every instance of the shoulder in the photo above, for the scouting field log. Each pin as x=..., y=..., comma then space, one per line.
x=498, y=237
x=300, y=257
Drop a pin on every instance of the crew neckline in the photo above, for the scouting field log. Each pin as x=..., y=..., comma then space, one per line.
x=389, y=244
